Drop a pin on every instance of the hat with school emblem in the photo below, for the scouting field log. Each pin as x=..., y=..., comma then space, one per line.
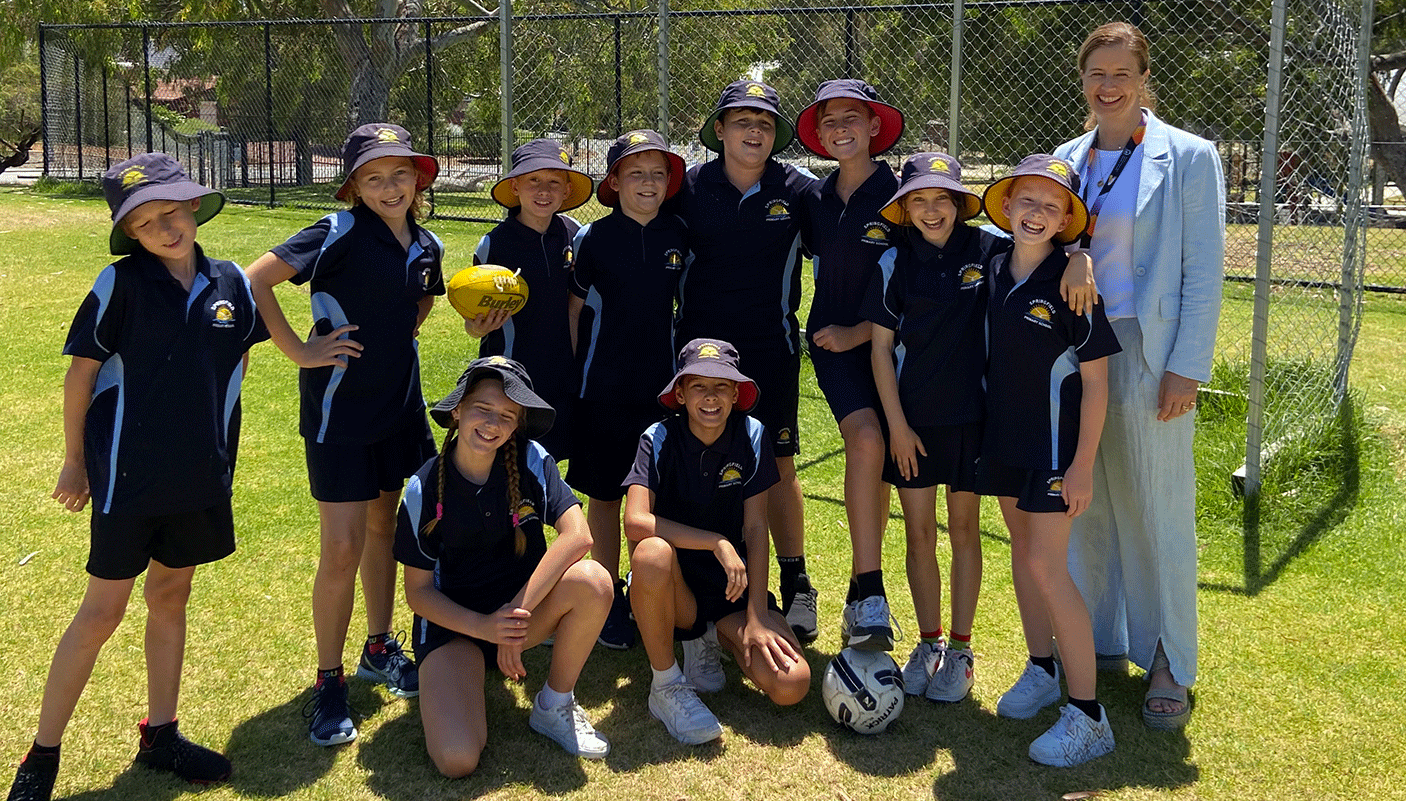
x=639, y=142
x=543, y=154
x=376, y=140
x=537, y=415
x=147, y=177
x=711, y=358
x=748, y=94
x=931, y=171
x=890, y=125
x=1053, y=169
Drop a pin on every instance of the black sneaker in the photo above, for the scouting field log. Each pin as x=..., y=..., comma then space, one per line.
x=619, y=630
x=329, y=715
x=34, y=781
x=390, y=667
x=167, y=749
x=803, y=612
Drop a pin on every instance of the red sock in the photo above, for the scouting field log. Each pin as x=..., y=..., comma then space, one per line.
x=961, y=642
x=931, y=636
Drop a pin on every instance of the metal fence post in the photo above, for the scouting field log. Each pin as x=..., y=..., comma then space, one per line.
x=78, y=110
x=44, y=96
x=663, y=121
x=107, y=125
x=619, y=100
x=429, y=106
x=1254, y=433
x=146, y=81
x=268, y=105
x=1349, y=288
x=954, y=89
x=505, y=68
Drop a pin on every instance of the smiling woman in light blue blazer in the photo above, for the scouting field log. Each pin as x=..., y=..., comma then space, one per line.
x=1158, y=244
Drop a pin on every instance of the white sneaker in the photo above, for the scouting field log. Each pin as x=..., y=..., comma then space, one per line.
x=953, y=679
x=1074, y=739
x=870, y=629
x=847, y=616
x=676, y=705
x=803, y=615
x=702, y=662
x=923, y=663
x=567, y=724
x=1033, y=691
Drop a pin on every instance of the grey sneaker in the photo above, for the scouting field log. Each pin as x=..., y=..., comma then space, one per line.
x=922, y=664
x=702, y=662
x=390, y=666
x=568, y=726
x=676, y=705
x=803, y=613
x=1033, y=691
x=870, y=630
x=953, y=679
x=1074, y=739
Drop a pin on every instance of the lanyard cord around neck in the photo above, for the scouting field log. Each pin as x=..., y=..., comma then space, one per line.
x=1107, y=184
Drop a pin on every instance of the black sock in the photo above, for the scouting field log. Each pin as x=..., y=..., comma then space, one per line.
x=35, y=749
x=1045, y=662
x=853, y=594
x=327, y=675
x=791, y=567
x=870, y=584
x=1089, y=707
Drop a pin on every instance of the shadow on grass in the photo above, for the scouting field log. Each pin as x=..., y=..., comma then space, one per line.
x=1337, y=465
x=300, y=763
x=141, y=782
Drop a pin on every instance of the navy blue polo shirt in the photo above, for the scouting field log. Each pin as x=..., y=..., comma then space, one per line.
x=471, y=549
x=628, y=274
x=359, y=274
x=704, y=486
x=162, y=429
x=845, y=241
x=539, y=335
x=934, y=300
x=1033, y=385
x=742, y=282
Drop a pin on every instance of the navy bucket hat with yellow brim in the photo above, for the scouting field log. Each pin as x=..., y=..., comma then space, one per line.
x=147, y=177
x=1051, y=168
x=537, y=415
x=891, y=119
x=376, y=140
x=711, y=358
x=748, y=94
x=931, y=171
x=543, y=154
x=641, y=141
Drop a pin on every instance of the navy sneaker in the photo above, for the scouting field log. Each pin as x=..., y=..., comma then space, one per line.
x=619, y=630
x=329, y=714
x=390, y=666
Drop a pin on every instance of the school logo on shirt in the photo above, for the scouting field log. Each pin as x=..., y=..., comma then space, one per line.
x=673, y=259
x=568, y=257
x=525, y=512
x=730, y=476
x=223, y=312
x=426, y=275
x=876, y=233
x=972, y=276
x=1041, y=312
x=132, y=176
x=783, y=435
x=1054, y=487
x=778, y=210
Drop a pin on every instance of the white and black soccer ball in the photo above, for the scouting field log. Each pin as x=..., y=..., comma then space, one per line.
x=863, y=690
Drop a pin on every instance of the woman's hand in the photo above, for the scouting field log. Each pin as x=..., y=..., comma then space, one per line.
x=904, y=446
x=484, y=324
x=1176, y=396
x=733, y=566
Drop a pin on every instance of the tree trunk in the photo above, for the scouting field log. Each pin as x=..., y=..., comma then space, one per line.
x=1388, y=144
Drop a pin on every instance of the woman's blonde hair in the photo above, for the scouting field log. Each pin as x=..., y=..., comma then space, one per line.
x=1120, y=34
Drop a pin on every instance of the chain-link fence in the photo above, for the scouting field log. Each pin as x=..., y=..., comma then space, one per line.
x=259, y=109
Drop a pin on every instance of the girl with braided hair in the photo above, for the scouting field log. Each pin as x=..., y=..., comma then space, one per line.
x=480, y=577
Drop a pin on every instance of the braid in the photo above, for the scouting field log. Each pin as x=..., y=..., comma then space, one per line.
x=439, y=475
x=514, y=492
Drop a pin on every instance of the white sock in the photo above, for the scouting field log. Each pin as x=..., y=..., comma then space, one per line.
x=551, y=699
x=669, y=675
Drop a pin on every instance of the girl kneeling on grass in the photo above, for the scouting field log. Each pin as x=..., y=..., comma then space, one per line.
x=480, y=577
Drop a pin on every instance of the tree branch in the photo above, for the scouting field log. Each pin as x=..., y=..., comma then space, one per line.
x=460, y=34
x=1389, y=61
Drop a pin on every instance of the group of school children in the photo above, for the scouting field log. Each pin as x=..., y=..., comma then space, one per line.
x=947, y=354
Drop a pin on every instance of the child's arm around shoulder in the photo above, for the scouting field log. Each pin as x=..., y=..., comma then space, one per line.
x=269, y=271
x=78, y=383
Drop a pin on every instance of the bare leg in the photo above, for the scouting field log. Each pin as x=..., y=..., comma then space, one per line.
x=573, y=612
x=334, y=588
x=866, y=494
x=1048, y=568
x=1034, y=616
x=783, y=687
x=963, y=529
x=786, y=511
x=103, y=605
x=924, y=576
x=603, y=518
x=452, y=707
x=378, y=566
x=167, y=591
x=660, y=600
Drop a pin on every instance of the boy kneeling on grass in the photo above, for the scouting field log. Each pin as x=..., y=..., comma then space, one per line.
x=695, y=507
x=151, y=425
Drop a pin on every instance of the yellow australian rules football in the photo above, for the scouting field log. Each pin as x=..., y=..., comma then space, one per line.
x=486, y=288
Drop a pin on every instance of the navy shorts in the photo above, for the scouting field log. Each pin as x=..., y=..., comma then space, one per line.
x=340, y=473
x=426, y=636
x=715, y=607
x=953, y=452
x=607, y=439
x=846, y=379
x=1033, y=490
x=778, y=379
x=121, y=546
